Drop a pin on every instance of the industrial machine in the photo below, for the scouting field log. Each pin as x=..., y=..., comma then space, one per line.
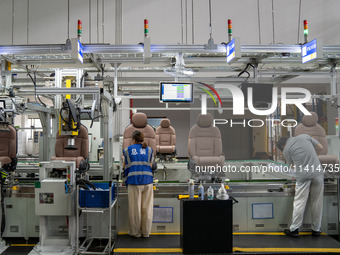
x=54, y=203
x=69, y=122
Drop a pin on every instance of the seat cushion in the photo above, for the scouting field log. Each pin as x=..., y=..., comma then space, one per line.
x=5, y=160
x=149, y=136
x=328, y=159
x=81, y=143
x=166, y=149
x=209, y=161
x=8, y=141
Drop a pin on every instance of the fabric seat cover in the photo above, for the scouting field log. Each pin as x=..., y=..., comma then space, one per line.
x=310, y=126
x=165, y=138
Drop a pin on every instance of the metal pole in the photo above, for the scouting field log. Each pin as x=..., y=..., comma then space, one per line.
x=204, y=104
x=77, y=223
x=338, y=200
x=333, y=79
x=256, y=72
x=115, y=83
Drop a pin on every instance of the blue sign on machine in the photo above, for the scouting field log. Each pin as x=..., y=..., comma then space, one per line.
x=309, y=51
x=231, y=50
x=80, y=52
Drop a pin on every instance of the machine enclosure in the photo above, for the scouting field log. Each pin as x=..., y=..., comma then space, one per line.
x=61, y=204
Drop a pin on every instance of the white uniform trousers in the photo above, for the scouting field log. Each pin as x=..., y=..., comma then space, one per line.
x=305, y=187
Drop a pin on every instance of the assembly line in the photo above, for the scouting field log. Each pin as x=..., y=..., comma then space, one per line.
x=150, y=147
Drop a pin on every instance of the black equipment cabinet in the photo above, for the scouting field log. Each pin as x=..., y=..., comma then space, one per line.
x=206, y=226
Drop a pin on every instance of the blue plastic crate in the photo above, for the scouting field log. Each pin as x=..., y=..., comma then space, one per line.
x=96, y=198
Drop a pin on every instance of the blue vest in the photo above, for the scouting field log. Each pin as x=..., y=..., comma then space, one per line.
x=137, y=165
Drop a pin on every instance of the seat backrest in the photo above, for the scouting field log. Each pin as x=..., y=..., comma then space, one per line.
x=9, y=143
x=205, y=139
x=81, y=143
x=165, y=134
x=310, y=126
x=139, y=122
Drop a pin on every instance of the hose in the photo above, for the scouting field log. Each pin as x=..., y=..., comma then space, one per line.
x=83, y=183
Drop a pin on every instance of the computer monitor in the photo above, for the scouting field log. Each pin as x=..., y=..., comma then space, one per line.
x=176, y=92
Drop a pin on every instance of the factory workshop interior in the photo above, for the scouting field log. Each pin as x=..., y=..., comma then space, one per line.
x=168, y=127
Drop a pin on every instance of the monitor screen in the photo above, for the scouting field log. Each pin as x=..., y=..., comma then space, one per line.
x=176, y=92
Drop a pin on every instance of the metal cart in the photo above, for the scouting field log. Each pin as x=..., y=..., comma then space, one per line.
x=84, y=247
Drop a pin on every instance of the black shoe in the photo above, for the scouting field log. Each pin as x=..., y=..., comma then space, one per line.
x=316, y=233
x=294, y=233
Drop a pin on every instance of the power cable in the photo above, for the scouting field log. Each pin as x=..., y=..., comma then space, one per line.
x=245, y=70
x=34, y=80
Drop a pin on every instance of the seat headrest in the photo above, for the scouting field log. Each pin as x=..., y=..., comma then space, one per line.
x=165, y=123
x=139, y=120
x=310, y=120
x=205, y=120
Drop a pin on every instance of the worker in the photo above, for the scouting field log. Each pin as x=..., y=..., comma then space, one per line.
x=300, y=151
x=138, y=159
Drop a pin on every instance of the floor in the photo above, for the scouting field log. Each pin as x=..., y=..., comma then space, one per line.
x=243, y=243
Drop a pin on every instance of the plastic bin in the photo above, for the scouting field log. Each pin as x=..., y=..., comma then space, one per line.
x=96, y=198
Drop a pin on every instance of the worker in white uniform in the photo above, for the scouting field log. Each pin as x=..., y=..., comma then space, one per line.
x=300, y=151
x=139, y=180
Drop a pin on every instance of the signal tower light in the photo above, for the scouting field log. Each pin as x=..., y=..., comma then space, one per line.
x=230, y=30
x=79, y=28
x=305, y=30
x=146, y=28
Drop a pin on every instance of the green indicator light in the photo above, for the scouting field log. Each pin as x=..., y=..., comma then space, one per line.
x=305, y=31
x=79, y=31
x=146, y=31
x=230, y=31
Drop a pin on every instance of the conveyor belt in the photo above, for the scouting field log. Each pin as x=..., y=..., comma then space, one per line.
x=244, y=243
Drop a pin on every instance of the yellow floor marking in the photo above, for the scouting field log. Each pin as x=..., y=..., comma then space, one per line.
x=144, y=250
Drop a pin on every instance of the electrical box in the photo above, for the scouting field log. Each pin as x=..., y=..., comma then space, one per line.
x=51, y=198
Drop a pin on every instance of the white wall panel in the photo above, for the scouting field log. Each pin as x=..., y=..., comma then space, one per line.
x=109, y=19
x=266, y=22
x=324, y=20
x=47, y=21
x=243, y=15
x=20, y=22
x=6, y=22
x=286, y=17
x=201, y=22
x=79, y=9
x=164, y=21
